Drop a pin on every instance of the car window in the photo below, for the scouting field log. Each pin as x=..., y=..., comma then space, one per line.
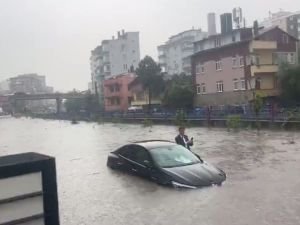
x=135, y=153
x=141, y=155
x=173, y=156
x=126, y=152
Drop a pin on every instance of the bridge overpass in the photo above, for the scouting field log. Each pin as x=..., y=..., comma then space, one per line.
x=59, y=97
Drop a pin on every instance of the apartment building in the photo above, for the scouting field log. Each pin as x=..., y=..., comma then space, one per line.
x=115, y=56
x=117, y=94
x=141, y=95
x=174, y=55
x=29, y=83
x=228, y=67
x=287, y=21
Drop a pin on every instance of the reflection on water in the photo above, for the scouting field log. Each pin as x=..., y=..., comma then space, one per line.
x=262, y=187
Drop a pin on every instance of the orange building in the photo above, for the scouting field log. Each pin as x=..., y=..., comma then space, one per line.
x=117, y=95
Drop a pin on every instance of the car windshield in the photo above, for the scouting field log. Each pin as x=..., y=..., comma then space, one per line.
x=173, y=156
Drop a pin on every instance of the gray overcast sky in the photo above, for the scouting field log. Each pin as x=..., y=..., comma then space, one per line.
x=55, y=37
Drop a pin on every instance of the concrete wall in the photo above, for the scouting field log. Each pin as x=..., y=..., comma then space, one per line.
x=225, y=98
x=28, y=192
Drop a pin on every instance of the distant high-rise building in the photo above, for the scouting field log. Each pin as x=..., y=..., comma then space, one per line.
x=174, y=55
x=4, y=87
x=211, y=20
x=226, y=23
x=287, y=21
x=29, y=83
x=113, y=57
x=238, y=17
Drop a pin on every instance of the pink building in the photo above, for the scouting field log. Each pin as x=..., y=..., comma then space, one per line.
x=117, y=95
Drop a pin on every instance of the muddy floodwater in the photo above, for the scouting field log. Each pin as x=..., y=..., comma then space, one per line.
x=262, y=188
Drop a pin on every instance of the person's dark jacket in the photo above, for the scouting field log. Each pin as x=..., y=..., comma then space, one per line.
x=180, y=141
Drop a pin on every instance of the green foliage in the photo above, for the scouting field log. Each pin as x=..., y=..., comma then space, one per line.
x=233, y=122
x=150, y=76
x=116, y=120
x=257, y=103
x=257, y=107
x=255, y=28
x=290, y=83
x=89, y=104
x=180, y=119
x=74, y=105
x=179, y=92
x=147, y=123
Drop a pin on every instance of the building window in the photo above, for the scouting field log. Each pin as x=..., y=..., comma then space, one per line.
x=235, y=84
x=258, y=84
x=218, y=65
x=298, y=20
x=285, y=39
x=203, y=88
x=242, y=61
x=291, y=18
x=117, y=88
x=233, y=38
x=255, y=60
x=220, y=86
x=217, y=42
x=291, y=58
x=274, y=58
x=198, y=89
x=123, y=48
x=118, y=101
x=125, y=66
x=234, y=62
x=243, y=85
x=292, y=27
x=111, y=88
x=199, y=68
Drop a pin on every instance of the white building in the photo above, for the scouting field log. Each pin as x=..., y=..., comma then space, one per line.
x=4, y=87
x=113, y=57
x=174, y=55
x=287, y=21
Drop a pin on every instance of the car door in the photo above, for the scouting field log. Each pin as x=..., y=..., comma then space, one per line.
x=137, y=160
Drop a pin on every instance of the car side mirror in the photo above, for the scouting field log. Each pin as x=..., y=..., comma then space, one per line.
x=148, y=163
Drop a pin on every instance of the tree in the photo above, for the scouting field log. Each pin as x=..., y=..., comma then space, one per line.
x=149, y=74
x=74, y=105
x=255, y=28
x=89, y=104
x=179, y=92
x=290, y=84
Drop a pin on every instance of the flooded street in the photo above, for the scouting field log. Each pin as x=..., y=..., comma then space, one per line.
x=263, y=184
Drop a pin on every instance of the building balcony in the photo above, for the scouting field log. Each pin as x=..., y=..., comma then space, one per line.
x=256, y=69
x=263, y=45
x=162, y=56
x=145, y=102
x=189, y=48
x=268, y=92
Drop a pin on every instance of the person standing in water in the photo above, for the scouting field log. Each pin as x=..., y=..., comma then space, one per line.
x=182, y=139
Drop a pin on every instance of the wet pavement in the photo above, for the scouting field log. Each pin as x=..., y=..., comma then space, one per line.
x=263, y=184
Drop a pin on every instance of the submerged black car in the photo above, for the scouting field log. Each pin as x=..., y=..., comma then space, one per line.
x=165, y=163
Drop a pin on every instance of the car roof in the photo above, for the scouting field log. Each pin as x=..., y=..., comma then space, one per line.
x=151, y=144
